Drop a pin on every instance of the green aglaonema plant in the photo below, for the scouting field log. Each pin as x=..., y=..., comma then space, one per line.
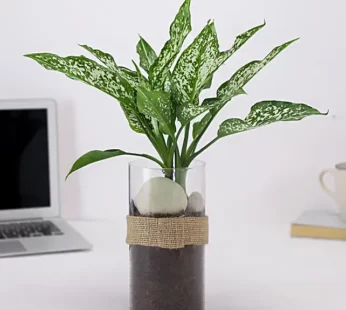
x=162, y=100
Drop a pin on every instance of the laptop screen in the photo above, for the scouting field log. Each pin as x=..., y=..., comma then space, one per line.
x=24, y=159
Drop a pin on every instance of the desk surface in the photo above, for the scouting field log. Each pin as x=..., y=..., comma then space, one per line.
x=265, y=273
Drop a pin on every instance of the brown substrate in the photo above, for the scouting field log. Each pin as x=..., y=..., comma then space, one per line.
x=163, y=279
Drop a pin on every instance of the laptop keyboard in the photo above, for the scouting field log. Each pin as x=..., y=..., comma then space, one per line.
x=29, y=230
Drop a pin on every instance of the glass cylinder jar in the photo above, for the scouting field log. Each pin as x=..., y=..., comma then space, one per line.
x=161, y=278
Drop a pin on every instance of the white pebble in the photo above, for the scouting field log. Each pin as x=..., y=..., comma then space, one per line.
x=161, y=195
x=195, y=202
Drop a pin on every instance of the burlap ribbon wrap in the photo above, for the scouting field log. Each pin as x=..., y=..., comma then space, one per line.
x=167, y=233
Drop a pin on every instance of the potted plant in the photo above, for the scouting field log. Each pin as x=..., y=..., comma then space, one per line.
x=167, y=225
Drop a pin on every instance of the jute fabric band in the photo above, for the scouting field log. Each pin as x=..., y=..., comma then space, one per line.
x=167, y=233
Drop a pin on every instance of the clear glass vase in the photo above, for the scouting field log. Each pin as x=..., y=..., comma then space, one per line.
x=160, y=278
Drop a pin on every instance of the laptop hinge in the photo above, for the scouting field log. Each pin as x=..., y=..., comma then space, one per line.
x=22, y=220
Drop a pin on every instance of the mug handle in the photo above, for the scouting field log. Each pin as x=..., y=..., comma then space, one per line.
x=323, y=185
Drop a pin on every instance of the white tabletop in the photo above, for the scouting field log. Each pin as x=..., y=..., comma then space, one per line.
x=268, y=272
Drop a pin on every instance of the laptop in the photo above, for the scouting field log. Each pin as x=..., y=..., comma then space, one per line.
x=30, y=220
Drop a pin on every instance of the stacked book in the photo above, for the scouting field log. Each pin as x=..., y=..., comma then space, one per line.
x=319, y=224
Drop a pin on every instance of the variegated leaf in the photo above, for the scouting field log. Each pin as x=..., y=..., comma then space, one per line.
x=109, y=62
x=234, y=86
x=167, y=86
x=179, y=30
x=198, y=127
x=187, y=112
x=105, y=58
x=145, y=83
x=132, y=119
x=132, y=76
x=212, y=104
x=192, y=70
x=200, y=60
x=146, y=53
x=157, y=104
x=265, y=113
x=139, y=73
x=238, y=43
x=224, y=97
x=222, y=57
x=142, y=81
x=88, y=71
x=228, y=89
x=208, y=83
x=232, y=126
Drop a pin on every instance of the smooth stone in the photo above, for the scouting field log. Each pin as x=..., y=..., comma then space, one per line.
x=161, y=195
x=195, y=202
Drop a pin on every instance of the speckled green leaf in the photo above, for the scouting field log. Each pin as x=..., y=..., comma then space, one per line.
x=198, y=63
x=139, y=73
x=187, y=112
x=234, y=86
x=192, y=70
x=232, y=126
x=179, y=30
x=265, y=113
x=109, y=62
x=105, y=58
x=146, y=53
x=142, y=81
x=238, y=43
x=167, y=86
x=132, y=119
x=88, y=71
x=145, y=83
x=130, y=76
x=198, y=127
x=227, y=90
x=208, y=83
x=222, y=57
x=157, y=104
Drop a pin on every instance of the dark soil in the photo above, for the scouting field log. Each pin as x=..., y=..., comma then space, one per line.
x=163, y=279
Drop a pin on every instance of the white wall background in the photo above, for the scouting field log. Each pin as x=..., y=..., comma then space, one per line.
x=261, y=179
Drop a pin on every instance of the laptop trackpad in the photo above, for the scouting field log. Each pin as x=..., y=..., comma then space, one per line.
x=11, y=247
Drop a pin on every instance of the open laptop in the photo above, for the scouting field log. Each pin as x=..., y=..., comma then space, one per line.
x=29, y=182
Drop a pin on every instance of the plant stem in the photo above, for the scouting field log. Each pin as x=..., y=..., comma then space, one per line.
x=186, y=140
x=180, y=177
x=158, y=145
x=179, y=132
x=169, y=142
x=170, y=156
x=173, y=152
x=202, y=150
x=195, y=142
x=177, y=158
x=162, y=143
x=176, y=153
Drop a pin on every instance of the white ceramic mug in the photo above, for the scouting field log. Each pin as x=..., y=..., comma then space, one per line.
x=339, y=193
